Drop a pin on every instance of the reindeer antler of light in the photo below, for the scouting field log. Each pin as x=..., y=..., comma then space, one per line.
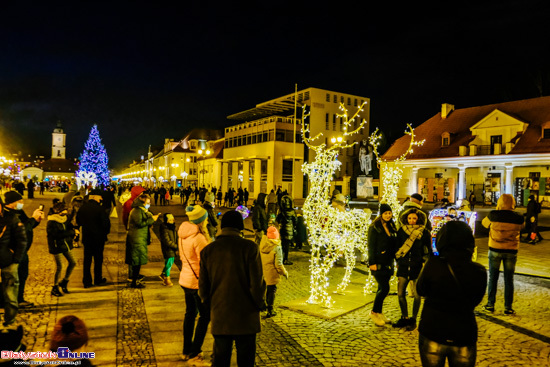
x=374, y=141
x=338, y=143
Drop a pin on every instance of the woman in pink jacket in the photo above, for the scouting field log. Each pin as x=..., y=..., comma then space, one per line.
x=193, y=237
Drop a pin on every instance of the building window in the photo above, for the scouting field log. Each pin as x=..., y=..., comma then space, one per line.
x=546, y=133
x=328, y=97
x=334, y=122
x=287, y=170
x=349, y=101
x=326, y=121
x=342, y=99
x=280, y=135
x=335, y=98
x=445, y=142
x=355, y=102
x=341, y=124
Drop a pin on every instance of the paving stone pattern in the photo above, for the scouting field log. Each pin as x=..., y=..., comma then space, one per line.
x=288, y=339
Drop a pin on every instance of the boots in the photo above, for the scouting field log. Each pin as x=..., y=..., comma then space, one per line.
x=166, y=280
x=56, y=292
x=63, y=285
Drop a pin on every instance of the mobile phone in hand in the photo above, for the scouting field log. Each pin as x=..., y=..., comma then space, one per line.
x=41, y=207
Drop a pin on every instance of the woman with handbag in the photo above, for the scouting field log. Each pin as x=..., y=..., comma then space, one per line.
x=193, y=237
x=453, y=285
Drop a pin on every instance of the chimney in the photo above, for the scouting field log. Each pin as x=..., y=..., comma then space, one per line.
x=446, y=110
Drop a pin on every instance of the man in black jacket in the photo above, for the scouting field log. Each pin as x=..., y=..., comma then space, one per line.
x=13, y=243
x=14, y=207
x=232, y=286
x=96, y=226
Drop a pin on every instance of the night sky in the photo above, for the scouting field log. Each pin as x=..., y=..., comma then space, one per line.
x=148, y=72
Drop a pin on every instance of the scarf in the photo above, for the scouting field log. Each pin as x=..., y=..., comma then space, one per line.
x=57, y=218
x=414, y=232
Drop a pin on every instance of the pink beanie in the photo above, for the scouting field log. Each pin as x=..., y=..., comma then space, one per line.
x=272, y=233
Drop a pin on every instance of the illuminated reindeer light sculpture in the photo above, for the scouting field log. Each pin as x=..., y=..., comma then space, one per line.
x=332, y=233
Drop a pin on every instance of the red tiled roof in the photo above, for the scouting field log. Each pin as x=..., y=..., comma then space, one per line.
x=534, y=111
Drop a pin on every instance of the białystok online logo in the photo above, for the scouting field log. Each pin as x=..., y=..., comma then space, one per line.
x=62, y=353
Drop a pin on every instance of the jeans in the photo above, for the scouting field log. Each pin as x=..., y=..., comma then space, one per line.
x=246, y=350
x=433, y=354
x=285, y=244
x=192, y=344
x=58, y=266
x=93, y=251
x=23, y=273
x=402, y=298
x=270, y=296
x=168, y=266
x=10, y=288
x=509, y=264
x=383, y=280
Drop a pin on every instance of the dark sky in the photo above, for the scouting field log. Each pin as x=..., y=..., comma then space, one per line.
x=144, y=72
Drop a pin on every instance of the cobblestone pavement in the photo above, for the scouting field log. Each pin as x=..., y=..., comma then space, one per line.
x=131, y=327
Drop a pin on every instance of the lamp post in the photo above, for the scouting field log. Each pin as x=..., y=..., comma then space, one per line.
x=203, y=154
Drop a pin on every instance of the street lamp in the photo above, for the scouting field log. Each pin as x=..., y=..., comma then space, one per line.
x=203, y=154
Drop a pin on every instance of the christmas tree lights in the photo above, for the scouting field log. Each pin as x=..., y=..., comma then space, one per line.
x=94, y=159
x=332, y=233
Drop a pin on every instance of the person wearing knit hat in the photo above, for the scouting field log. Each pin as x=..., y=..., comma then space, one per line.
x=272, y=263
x=13, y=244
x=382, y=247
x=231, y=281
x=193, y=238
x=232, y=219
x=14, y=208
x=12, y=197
x=197, y=214
x=69, y=332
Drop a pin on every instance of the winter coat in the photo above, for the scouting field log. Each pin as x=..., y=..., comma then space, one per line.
x=259, y=216
x=272, y=260
x=504, y=226
x=381, y=246
x=95, y=223
x=232, y=285
x=409, y=265
x=448, y=313
x=29, y=223
x=422, y=216
x=13, y=240
x=60, y=234
x=168, y=240
x=191, y=242
x=139, y=235
x=127, y=207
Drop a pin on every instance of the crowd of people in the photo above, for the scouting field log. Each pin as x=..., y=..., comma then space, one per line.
x=228, y=281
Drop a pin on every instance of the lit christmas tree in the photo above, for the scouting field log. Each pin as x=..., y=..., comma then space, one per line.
x=94, y=159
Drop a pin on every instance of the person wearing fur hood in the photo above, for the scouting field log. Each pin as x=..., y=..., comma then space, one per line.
x=60, y=234
x=413, y=240
x=271, y=252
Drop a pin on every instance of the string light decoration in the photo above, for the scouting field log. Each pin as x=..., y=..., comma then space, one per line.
x=332, y=233
x=84, y=178
x=392, y=175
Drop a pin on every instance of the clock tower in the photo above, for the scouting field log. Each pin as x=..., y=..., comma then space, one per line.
x=58, y=142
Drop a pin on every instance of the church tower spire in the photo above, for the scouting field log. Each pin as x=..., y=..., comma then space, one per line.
x=58, y=142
